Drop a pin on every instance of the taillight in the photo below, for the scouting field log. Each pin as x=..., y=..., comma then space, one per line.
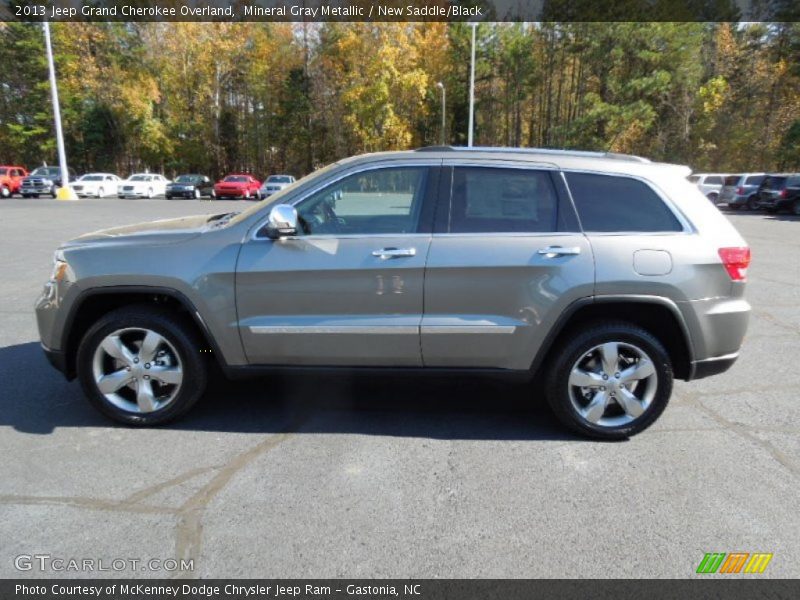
x=784, y=193
x=735, y=261
x=740, y=191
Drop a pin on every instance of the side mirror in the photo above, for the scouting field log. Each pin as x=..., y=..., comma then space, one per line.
x=282, y=221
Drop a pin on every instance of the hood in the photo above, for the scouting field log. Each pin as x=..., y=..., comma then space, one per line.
x=167, y=231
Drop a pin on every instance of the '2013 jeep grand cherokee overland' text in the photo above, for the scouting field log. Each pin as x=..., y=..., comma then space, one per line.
x=607, y=274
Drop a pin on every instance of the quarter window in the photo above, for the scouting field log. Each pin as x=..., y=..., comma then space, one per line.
x=494, y=200
x=379, y=201
x=609, y=203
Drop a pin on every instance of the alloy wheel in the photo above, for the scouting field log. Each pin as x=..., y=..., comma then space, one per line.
x=137, y=370
x=613, y=384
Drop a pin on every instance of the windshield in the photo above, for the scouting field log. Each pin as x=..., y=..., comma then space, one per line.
x=279, y=179
x=139, y=178
x=277, y=197
x=235, y=178
x=187, y=178
x=91, y=178
x=46, y=172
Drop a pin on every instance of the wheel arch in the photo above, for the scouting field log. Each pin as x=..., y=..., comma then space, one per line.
x=658, y=315
x=94, y=303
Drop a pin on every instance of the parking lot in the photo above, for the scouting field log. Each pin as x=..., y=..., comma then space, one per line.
x=336, y=476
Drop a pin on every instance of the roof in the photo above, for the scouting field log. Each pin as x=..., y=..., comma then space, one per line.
x=602, y=162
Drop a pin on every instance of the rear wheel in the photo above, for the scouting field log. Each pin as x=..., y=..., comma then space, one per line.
x=610, y=382
x=150, y=193
x=139, y=366
x=53, y=192
x=752, y=204
x=713, y=197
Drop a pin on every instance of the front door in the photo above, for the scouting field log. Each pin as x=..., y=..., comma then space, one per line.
x=348, y=289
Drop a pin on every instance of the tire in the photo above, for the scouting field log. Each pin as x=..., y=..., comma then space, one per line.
x=197, y=194
x=213, y=195
x=168, y=196
x=752, y=204
x=733, y=206
x=129, y=402
x=246, y=195
x=101, y=193
x=5, y=192
x=581, y=356
x=713, y=198
x=120, y=197
x=53, y=192
x=150, y=193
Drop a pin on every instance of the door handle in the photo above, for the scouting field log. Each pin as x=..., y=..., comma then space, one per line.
x=386, y=253
x=553, y=251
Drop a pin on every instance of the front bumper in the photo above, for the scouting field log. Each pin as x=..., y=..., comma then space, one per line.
x=35, y=190
x=58, y=360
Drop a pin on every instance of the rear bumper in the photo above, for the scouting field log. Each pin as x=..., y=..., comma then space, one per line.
x=712, y=366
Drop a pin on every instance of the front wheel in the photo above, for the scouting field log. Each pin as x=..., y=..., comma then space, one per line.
x=5, y=192
x=197, y=194
x=101, y=193
x=246, y=195
x=213, y=195
x=141, y=366
x=610, y=382
x=150, y=193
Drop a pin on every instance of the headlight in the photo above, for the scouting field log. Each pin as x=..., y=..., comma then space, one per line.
x=60, y=267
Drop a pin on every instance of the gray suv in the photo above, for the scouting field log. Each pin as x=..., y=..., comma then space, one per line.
x=599, y=277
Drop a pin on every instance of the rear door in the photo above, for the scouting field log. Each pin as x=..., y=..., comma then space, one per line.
x=507, y=257
x=348, y=290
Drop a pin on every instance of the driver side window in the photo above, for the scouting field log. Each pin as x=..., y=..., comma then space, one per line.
x=378, y=201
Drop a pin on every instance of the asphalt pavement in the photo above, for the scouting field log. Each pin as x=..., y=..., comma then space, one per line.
x=336, y=476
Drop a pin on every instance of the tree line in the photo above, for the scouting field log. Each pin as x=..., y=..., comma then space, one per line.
x=282, y=97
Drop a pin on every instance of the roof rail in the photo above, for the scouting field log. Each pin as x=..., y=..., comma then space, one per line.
x=552, y=151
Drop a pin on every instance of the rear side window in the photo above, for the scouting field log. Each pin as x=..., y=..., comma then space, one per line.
x=754, y=180
x=714, y=180
x=610, y=203
x=774, y=183
x=493, y=200
x=732, y=179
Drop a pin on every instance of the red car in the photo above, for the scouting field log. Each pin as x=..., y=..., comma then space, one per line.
x=11, y=180
x=238, y=185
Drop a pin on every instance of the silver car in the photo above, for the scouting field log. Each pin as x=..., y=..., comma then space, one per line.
x=274, y=184
x=741, y=191
x=598, y=277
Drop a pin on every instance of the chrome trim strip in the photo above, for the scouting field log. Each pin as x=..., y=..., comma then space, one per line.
x=346, y=329
x=469, y=329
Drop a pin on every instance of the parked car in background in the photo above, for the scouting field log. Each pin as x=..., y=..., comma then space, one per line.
x=142, y=185
x=709, y=183
x=238, y=185
x=739, y=191
x=275, y=183
x=190, y=186
x=780, y=191
x=608, y=275
x=11, y=179
x=96, y=185
x=43, y=181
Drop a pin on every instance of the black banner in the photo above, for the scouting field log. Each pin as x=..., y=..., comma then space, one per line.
x=713, y=587
x=399, y=10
